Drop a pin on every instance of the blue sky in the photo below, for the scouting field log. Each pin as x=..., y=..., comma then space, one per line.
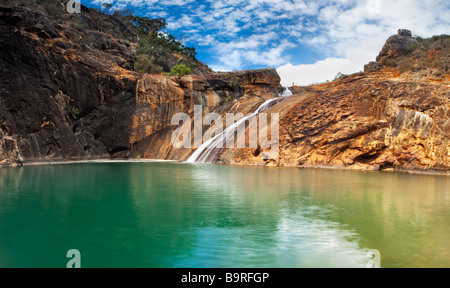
x=307, y=41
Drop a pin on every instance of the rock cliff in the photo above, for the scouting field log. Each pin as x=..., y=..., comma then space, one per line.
x=388, y=118
x=375, y=121
x=62, y=98
x=159, y=98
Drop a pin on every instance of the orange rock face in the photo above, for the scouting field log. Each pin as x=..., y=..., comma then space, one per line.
x=159, y=98
x=61, y=99
x=71, y=94
x=373, y=121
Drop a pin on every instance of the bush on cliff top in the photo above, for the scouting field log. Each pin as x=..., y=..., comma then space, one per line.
x=157, y=50
x=431, y=53
x=162, y=49
x=180, y=70
x=145, y=65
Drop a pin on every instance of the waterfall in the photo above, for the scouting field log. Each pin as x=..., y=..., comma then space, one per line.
x=208, y=152
x=286, y=92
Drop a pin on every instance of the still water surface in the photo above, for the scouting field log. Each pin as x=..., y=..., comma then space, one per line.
x=181, y=215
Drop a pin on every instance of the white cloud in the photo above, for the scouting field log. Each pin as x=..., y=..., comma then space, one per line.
x=237, y=54
x=321, y=71
x=356, y=34
x=346, y=33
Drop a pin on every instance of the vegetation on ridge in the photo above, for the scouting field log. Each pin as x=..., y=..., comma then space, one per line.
x=431, y=53
x=156, y=51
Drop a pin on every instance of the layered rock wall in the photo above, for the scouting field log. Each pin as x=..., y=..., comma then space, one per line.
x=61, y=99
x=375, y=121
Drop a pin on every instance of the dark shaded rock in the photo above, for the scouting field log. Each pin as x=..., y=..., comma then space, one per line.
x=71, y=94
x=372, y=67
x=268, y=76
x=63, y=45
x=59, y=101
x=405, y=32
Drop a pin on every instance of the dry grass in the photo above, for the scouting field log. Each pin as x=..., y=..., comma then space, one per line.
x=428, y=54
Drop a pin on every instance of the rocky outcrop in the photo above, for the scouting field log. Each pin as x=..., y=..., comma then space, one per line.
x=63, y=99
x=404, y=32
x=159, y=98
x=379, y=123
x=397, y=45
x=372, y=67
x=60, y=99
x=265, y=77
x=376, y=121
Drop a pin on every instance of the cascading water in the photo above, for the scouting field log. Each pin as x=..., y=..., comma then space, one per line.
x=286, y=92
x=208, y=152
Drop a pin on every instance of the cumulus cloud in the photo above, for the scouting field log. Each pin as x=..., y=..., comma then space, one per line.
x=320, y=71
x=344, y=34
x=353, y=34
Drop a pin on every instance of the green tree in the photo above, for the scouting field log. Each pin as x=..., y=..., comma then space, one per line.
x=144, y=65
x=180, y=70
x=190, y=52
x=149, y=26
x=234, y=81
x=106, y=8
x=157, y=47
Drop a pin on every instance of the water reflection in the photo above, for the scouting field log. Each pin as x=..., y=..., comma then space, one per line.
x=177, y=215
x=297, y=241
x=307, y=241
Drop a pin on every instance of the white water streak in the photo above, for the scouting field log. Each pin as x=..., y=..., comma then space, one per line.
x=209, y=150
